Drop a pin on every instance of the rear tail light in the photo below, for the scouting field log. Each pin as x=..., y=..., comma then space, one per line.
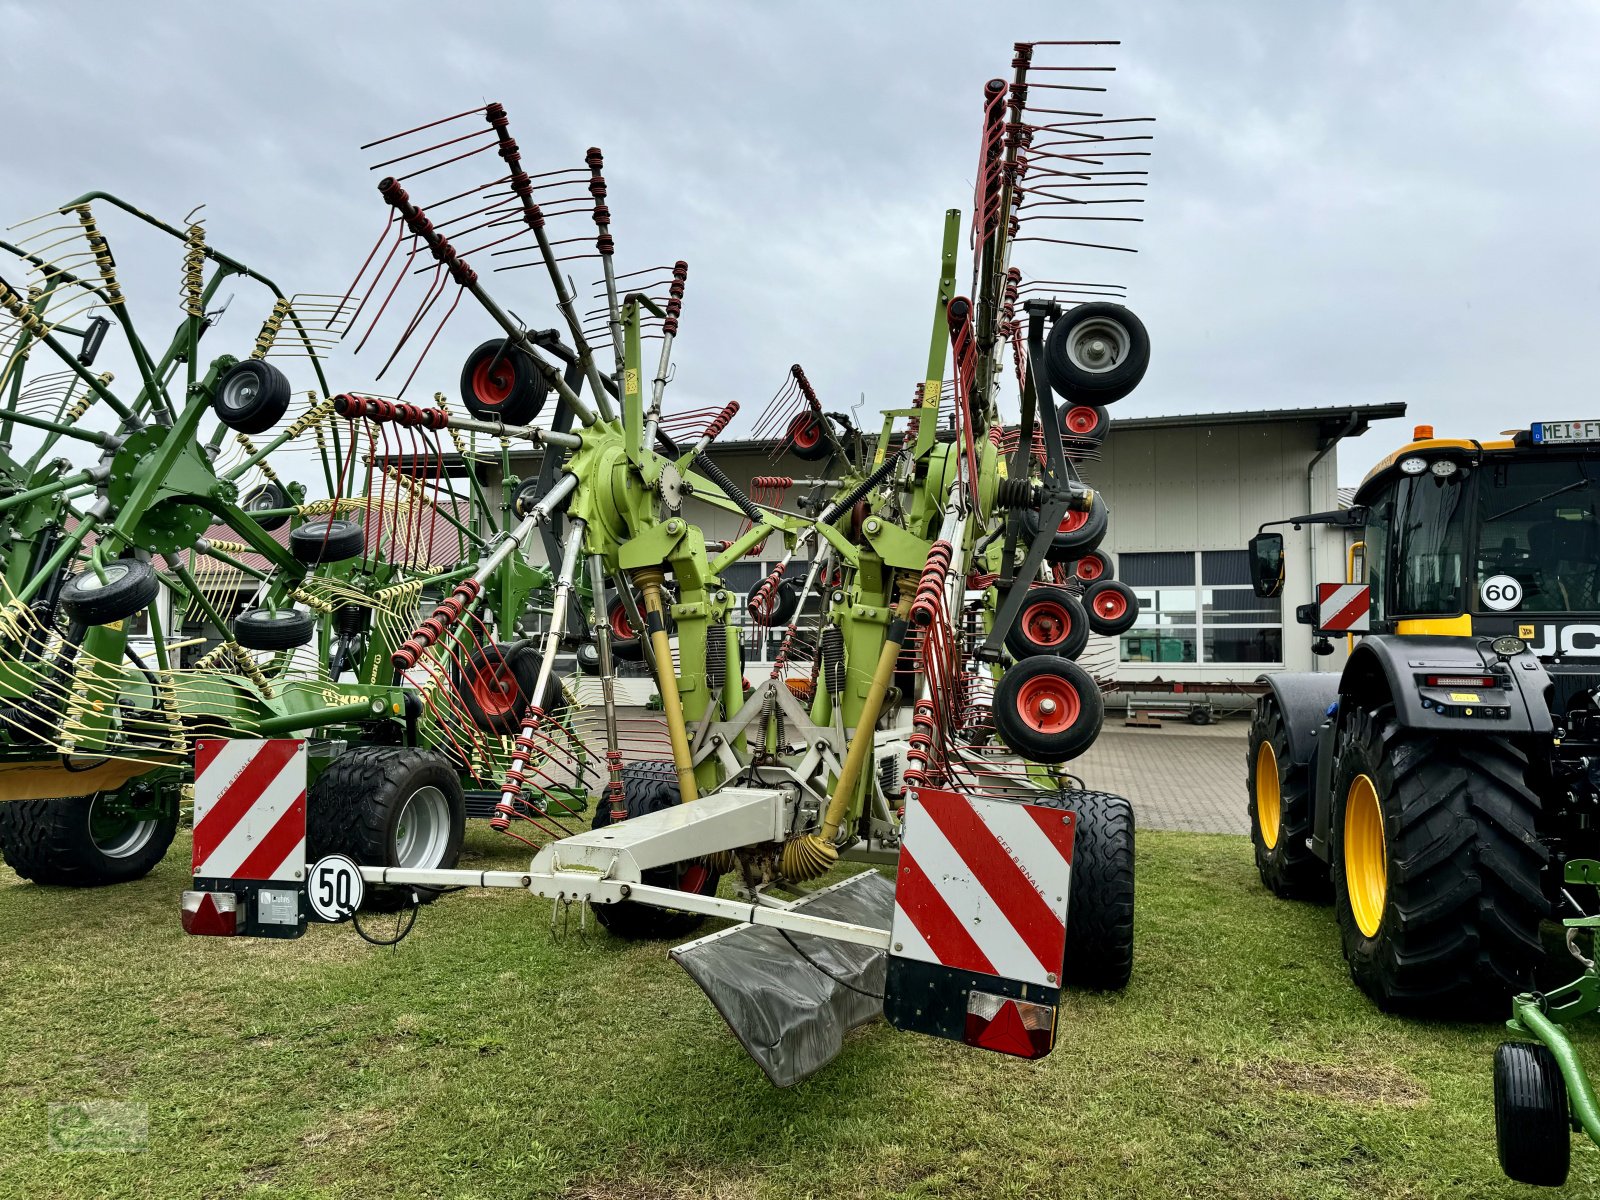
x=1010, y=1026
x=1477, y=681
x=211, y=914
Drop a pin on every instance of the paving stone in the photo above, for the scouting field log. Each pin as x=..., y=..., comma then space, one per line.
x=1178, y=776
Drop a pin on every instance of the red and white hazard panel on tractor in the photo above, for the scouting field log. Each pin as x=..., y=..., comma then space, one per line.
x=249, y=838
x=1344, y=608
x=980, y=921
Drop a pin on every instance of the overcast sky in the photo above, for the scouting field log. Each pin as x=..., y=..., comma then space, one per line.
x=1348, y=202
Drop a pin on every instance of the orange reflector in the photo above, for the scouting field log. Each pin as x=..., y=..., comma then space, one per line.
x=1009, y=1026
x=210, y=914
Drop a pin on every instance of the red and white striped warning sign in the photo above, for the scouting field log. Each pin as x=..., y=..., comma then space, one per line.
x=249, y=809
x=982, y=886
x=1344, y=607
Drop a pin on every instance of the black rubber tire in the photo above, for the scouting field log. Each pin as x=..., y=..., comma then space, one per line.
x=1082, y=424
x=265, y=497
x=1078, y=383
x=500, y=382
x=263, y=629
x=49, y=842
x=354, y=806
x=1093, y=566
x=1532, y=1124
x=1054, y=745
x=1459, y=931
x=251, y=396
x=807, y=437
x=623, y=649
x=646, y=788
x=588, y=656
x=1287, y=868
x=525, y=497
x=327, y=540
x=784, y=604
x=130, y=587
x=1099, y=952
x=1050, y=621
x=1069, y=545
x=1113, y=608
x=515, y=668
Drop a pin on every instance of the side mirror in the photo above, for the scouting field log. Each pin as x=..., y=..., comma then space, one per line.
x=1266, y=564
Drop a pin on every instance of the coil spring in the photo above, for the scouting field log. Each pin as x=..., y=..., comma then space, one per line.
x=314, y=603
x=312, y=418
x=263, y=466
x=889, y=777
x=931, y=590
x=86, y=401
x=680, y=274
x=716, y=657
x=432, y=628
x=228, y=547
x=102, y=254
x=438, y=245
x=351, y=406
x=18, y=307
x=833, y=657
x=269, y=329
x=194, y=266
x=722, y=418
x=248, y=668
x=406, y=592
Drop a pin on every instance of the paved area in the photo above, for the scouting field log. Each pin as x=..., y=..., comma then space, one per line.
x=1179, y=776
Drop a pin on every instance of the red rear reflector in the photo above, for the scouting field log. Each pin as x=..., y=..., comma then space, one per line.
x=1478, y=681
x=1013, y=1027
x=210, y=914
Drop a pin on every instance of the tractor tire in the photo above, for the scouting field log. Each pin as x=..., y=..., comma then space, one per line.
x=1099, y=954
x=327, y=540
x=60, y=843
x=251, y=397
x=1437, y=868
x=1050, y=621
x=1532, y=1127
x=1096, y=353
x=501, y=382
x=648, y=787
x=388, y=806
x=263, y=629
x=1280, y=810
x=129, y=587
x=1048, y=709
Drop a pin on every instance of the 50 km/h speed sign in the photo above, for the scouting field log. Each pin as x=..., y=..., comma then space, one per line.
x=1502, y=593
x=334, y=887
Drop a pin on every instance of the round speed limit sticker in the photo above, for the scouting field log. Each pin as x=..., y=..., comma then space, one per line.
x=1501, y=593
x=334, y=887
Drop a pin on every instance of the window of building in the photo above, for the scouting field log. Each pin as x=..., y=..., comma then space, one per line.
x=1198, y=607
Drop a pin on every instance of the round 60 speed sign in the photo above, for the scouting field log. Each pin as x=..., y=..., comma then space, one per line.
x=334, y=886
x=1501, y=593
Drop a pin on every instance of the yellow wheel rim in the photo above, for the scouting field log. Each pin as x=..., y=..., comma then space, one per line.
x=1269, y=799
x=1366, y=860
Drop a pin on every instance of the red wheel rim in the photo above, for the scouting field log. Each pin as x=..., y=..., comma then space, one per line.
x=1082, y=421
x=1090, y=569
x=493, y=381
x=1111, y=605
x=1048, y=704
x=619, y=623
x=1046, y=623
x=693, y=877
x=1073, y=522
x=494, y=687
x=805, y=431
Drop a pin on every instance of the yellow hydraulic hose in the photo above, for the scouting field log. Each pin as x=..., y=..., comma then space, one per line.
x=650, y=581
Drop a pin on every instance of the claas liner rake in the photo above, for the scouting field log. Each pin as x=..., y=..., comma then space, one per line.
x=912, y=560
x=183, y=521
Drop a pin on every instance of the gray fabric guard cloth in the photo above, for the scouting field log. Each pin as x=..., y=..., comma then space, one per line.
x=789, y=1014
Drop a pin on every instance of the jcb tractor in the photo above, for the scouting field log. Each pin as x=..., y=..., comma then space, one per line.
x=1439, y=783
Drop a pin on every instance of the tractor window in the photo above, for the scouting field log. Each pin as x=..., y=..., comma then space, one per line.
x=1375, y=551
x=1537, y=524
x=1430, y=544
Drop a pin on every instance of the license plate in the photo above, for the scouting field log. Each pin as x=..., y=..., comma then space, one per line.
x=1549, y=432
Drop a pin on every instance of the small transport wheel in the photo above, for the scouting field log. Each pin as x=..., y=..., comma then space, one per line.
x=496, y=684
x=626, y=644
x=1048, y=709
x=807, y=438
x=1050, y=621
x=1094, y=566
x=252, y=396
x=89, y=841
x=1096, y=353
x=779, y=609
x=1113, y=608
x=1099, y=954
x=263, y=629
x=1083, y=424
x=327, y=540
x=129, y=587
x=588, y=656
x=1280, y=809
x=388, y=806
x=1077, y=535
x=646, y=788
x=1532, y=1125
x=500, y=382
x=525, y=497
x=265, y=497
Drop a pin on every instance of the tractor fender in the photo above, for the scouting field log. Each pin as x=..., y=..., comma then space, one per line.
x=1387, y=668
x=1303, y=698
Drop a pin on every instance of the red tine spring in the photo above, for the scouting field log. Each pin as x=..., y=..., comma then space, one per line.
x=417, y=221
x=721, y=420
x=805, y=388
x=931, y=589
x=680, y=274
x=429, y=631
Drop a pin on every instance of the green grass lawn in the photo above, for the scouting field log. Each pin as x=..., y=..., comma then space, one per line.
x=487, y=1057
